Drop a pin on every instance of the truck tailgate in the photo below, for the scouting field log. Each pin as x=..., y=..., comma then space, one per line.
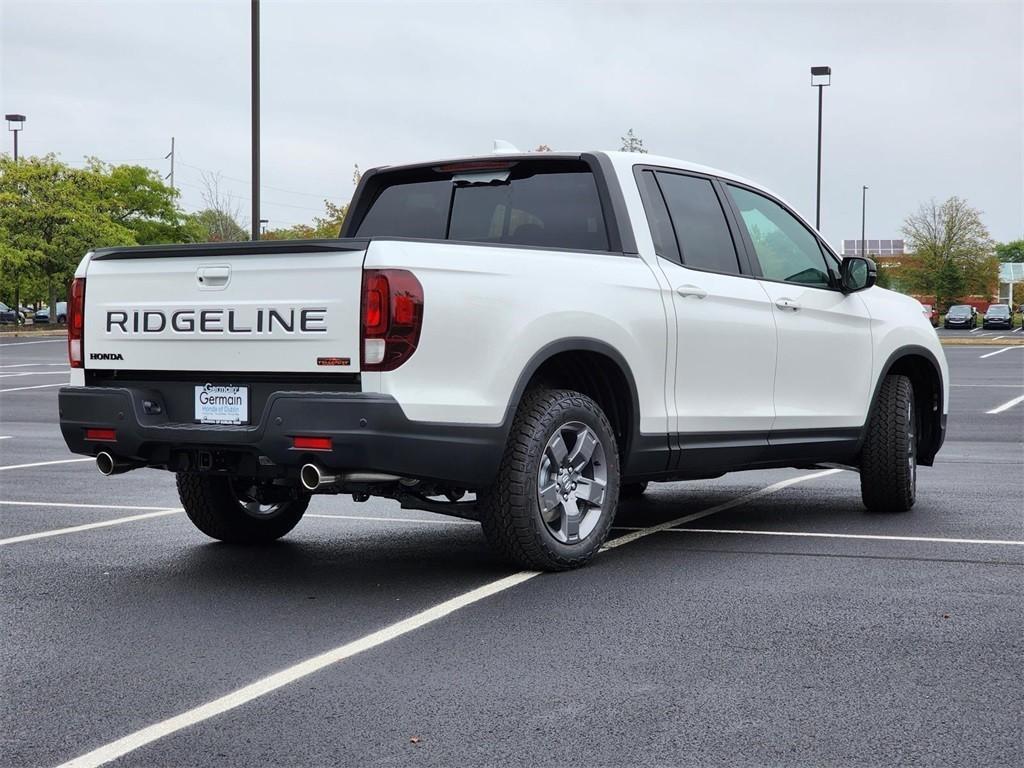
x=270, y=307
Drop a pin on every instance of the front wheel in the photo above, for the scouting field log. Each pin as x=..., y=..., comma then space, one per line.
x=555, y=496
x=888, y=465
x=239, y=510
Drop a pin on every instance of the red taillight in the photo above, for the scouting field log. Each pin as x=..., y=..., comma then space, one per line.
x=102, y=435
x=76, y=323
x=392, y=318
x=311, y=443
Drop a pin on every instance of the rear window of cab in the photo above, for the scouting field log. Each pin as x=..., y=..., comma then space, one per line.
x=542, y=204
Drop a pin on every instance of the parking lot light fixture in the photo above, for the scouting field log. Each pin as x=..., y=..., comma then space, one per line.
x=15, y=123
x=821, y=77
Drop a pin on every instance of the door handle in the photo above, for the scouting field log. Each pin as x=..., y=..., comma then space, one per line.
x=691, y=290
x=787, y=304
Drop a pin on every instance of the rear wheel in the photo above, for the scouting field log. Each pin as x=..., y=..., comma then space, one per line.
x=554, y=500
x=239, y=510
x=888, y=466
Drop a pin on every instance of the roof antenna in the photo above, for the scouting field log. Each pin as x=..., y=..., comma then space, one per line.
x=502, y=147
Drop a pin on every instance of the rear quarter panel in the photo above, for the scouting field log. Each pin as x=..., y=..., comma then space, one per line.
x=489, y=309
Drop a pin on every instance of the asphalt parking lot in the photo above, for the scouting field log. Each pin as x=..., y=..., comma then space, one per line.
x=773, y=622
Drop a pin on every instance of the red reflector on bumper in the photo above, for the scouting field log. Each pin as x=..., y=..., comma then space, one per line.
x=105, y=435
x=312, y=443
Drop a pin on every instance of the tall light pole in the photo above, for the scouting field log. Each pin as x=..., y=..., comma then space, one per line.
x=820, y=78
x=14, y=124
x=863, y=209
x=255, y=53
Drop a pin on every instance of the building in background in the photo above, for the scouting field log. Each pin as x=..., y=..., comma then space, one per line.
x=875, y=248
x=1011, y=283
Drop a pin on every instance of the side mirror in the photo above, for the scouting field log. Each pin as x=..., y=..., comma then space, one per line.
x=857, y=273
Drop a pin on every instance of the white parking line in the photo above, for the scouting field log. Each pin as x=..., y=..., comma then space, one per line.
x=395, y=519
x=1008, y=405
x=999, y=386
x=997, y=352
x=271, y=683
x=69, y=505
x=930, y=539
x=86, y=527
x=23, y=343
x=37, y=386
x=6, y=437
x=34, y=365
x=975, y=330
x=630, y=537
x=45, y=463
x=32, y=373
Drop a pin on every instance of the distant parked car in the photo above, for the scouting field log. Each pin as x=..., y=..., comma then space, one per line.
x=961, y=316
x=931, y=313
x=998, y=316
x=43, y=315
x=8, y=315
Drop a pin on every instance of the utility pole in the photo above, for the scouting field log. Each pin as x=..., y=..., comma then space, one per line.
x=171, y=156
x=863, y=208
x=255, y=53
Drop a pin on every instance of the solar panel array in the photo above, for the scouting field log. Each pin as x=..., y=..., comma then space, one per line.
x=875, y=248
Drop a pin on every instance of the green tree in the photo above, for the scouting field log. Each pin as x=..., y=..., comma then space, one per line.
x=953, y=253
x=51, y=214
x=1011, y=251
x=326, y=226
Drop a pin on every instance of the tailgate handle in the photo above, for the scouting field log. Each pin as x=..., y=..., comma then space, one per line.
x=211, y=278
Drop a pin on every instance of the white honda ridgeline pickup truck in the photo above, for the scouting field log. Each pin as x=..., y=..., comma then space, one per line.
x=546, y=332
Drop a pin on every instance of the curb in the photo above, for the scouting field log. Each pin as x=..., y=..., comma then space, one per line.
x=1013, y=341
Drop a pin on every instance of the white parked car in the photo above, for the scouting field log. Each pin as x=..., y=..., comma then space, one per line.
x=549, y=332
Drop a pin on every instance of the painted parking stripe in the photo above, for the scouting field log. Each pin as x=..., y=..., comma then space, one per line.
x=76, y=505
x=867, y=537
x=395, y=519
x=6, y=437
x=23, y=343
x=639, y=534
x=34, y=365
x=86, y=527
x=32, y=373
x=271, y=683
x=1007, y=406
x=37, y=386
x=45, y=463
x=997, y=352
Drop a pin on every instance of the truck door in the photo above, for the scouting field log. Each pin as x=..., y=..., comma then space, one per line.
x=726, y=340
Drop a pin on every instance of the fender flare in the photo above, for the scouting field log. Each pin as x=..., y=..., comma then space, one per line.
x=572, y=344
x=939, y=418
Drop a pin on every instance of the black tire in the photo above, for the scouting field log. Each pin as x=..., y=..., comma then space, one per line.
x=212, y=503
x=888, y=464
x=511, y=511
x=632, y=490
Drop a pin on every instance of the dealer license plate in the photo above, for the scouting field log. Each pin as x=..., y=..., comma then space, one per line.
x=222, y=404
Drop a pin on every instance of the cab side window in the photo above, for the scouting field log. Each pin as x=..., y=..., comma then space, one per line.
x=786, y=250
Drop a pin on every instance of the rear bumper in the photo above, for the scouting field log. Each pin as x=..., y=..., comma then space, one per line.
x=368, y=431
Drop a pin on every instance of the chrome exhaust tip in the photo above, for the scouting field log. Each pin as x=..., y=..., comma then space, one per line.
x=108, y=465
x=313, y=477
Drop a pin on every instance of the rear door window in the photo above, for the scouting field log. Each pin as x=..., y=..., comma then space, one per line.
x=549, y=204
x=699, y=223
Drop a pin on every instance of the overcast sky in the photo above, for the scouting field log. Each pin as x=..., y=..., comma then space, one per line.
x=927, y=99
